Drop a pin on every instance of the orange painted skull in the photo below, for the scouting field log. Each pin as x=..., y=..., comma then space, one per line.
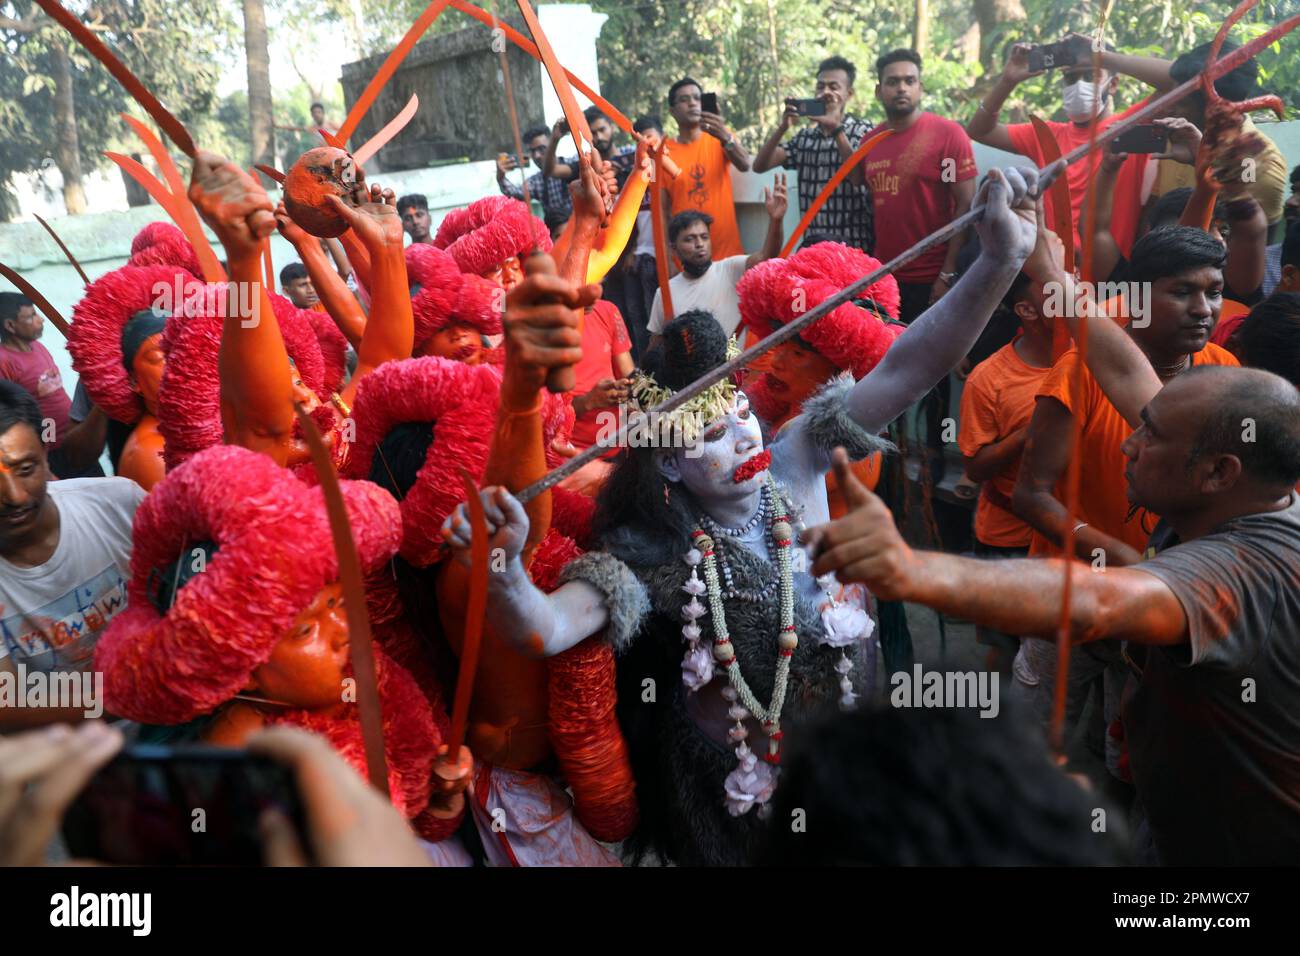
x=317, y=174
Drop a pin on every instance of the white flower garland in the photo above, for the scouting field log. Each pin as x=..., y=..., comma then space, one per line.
x=753, y=781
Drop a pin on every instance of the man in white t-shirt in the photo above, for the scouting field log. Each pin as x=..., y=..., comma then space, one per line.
x=65, y=554
x=710, y=286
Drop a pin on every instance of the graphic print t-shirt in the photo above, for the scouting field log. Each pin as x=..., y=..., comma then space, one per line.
x=52, y=615
x=705, y=184
x=911, y=175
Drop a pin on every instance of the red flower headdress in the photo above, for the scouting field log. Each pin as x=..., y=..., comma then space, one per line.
x=95, y=342
x=488, y=232
x=161, y=243
x=446, y=294
x=272, y=556
x=461, y=402
x=778, y=291
x=189, y=401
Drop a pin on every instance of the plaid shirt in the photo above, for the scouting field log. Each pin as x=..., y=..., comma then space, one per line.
x=552, y=193
x=847, y=215
x=623, y=160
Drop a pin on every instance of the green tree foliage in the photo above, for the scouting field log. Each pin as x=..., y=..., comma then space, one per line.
x=647, y=44
x=177, y=48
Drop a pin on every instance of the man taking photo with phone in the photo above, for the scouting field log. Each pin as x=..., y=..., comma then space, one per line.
x=551, y=192
x=705, y=160
x=1085, y=98
x=816, y=153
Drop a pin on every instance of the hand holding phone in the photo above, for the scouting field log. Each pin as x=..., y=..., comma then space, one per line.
x=45, y=769
x=1141, y=139
x=1074, y=50
x=810, y=107
x=350, y=824
x=188, y=805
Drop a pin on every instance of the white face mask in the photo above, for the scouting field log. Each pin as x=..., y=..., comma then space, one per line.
x=1084, y=100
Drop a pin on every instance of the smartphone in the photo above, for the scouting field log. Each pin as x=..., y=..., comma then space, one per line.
x=1063, y=53
x=520, y=161
x=1141, y=139
x=709, y=104
x=808, y=107
x=188, y=805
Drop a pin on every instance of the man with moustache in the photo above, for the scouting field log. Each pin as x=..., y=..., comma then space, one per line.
x=65, y=553
x=1214, y=722
x=602, y=141
x=816, y=153
x=921, y=178
x=707, y=285
x=414, y=210
x=1184, y=269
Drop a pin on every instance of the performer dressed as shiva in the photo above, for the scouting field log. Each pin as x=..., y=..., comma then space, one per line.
x=724, y=640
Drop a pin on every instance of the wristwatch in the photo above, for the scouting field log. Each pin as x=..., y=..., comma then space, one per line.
x=947, y=278
x=837, y=130
x=730, y=142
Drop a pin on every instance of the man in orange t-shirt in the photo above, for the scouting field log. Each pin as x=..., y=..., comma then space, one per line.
x=996, y=405
x=705, y=160
x=1183, y=269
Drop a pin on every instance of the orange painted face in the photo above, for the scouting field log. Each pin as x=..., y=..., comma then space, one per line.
x=307, y=665
x=147, y=371
x=303, y=395
x=455, y=341
x=508, y=274
x=797, y=371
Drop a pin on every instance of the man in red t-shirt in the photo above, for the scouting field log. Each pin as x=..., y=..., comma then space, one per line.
x=28, y=363
x=73, y=446
x=921, y=178
x=600, y=387
x=1083, y=101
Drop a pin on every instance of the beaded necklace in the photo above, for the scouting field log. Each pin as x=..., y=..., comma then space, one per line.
x=715, y=531
x=751, y=784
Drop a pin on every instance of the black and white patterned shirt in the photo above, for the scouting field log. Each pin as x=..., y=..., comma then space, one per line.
x=847, y=215
x=552, y=193
x=622, y=159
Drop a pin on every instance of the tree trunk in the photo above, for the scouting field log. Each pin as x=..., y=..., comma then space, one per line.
x=136, y=195
x=991, y=14
x=67, y=150
x=259, y=83
x=921, y=29
x=776, y=58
